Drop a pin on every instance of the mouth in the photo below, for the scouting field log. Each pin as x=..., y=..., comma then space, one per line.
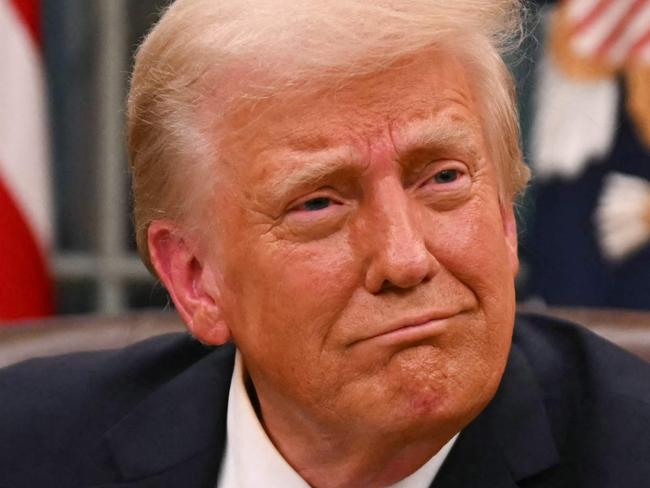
x=412, y=329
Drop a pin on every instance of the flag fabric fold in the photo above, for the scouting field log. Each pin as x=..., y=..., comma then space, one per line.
x=25, y=196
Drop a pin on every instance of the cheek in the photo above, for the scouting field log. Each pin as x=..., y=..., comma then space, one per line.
x=288, y=290
x=472, y=246
x=471, y=243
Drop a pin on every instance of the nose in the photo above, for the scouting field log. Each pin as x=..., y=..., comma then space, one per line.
x=399, y=255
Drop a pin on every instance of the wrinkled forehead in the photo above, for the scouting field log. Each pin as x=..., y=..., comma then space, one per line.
x=430, y=92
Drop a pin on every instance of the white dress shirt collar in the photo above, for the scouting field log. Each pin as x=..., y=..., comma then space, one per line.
x=251, y=460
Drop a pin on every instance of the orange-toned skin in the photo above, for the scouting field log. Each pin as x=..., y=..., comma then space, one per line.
x=375, y=321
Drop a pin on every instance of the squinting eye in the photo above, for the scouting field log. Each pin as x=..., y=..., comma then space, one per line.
x=446, y=176
x=315, y=204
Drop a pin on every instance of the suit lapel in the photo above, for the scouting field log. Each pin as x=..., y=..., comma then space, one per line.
x=180, y=427
x=200, y=471
x=509, y=441
x=475, y=461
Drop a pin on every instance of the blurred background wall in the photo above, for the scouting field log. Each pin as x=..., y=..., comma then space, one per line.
x=579, y=129
x=88, y=48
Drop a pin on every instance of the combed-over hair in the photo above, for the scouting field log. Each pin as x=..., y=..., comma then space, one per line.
x=204, y=57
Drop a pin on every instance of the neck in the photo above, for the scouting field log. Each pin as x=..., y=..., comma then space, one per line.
x=327, y=458
x=371, y=466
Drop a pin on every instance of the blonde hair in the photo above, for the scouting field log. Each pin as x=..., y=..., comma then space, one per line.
x=228, y=51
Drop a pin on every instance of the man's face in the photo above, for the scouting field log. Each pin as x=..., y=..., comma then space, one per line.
x=365, y=263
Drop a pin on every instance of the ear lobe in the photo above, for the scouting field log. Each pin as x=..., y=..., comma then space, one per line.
x=191, y=285
x=510, y=233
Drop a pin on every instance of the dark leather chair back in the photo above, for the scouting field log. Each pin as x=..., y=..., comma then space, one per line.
x=630, y=329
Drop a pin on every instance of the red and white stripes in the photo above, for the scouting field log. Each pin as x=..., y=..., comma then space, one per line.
x=25, y=196
x=616, y=31
x=592, y=45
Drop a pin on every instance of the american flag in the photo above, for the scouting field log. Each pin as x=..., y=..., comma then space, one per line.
x=614, y=32
x=25, y=200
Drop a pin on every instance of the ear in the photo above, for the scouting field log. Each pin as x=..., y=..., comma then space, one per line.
x=191, y=284
x=510, y=233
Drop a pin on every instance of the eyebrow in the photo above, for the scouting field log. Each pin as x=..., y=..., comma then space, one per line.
x=321, y=164
x=435, y=135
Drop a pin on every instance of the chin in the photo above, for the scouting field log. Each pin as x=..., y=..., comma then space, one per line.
x=427, y=419
x=432, y=396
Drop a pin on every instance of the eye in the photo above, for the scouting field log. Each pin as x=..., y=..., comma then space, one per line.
x=445, y=181
x=446, y=176
x=314, y=204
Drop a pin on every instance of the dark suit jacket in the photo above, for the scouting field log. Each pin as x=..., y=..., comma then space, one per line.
x=572, y=411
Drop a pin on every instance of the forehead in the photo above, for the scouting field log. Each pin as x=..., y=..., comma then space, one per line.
x=430, y=92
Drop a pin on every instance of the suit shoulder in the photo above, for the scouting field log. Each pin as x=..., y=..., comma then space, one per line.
x=597, y=398
x=58, y=403
x=562, y=352
x=172, y=351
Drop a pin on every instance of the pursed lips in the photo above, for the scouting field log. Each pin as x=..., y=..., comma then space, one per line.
x=412, y=329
